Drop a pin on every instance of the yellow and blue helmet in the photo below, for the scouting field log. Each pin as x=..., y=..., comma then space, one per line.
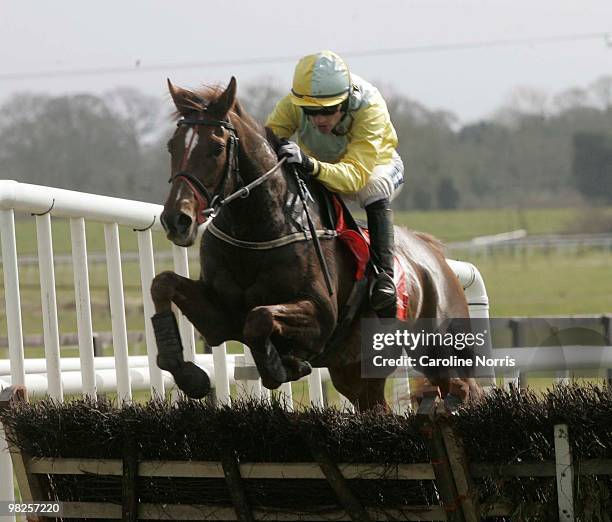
x=320, y=80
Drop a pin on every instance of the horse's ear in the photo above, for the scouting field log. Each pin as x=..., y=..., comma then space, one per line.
x=225, y=102
x=185, y=101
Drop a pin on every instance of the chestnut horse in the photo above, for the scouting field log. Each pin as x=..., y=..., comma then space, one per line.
x=261, y=282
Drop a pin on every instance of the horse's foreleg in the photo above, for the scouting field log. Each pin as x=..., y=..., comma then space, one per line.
x=190, y=297
x=295, y=324
x=198, y=303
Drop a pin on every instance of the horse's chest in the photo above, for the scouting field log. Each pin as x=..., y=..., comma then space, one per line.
x=246, y=283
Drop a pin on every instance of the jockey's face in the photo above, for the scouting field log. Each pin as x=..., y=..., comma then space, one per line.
x=325, y=123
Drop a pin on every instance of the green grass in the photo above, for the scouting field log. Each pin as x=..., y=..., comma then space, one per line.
x=459, y=225
x=539, y=284
x=31, y=304
x=533, y=285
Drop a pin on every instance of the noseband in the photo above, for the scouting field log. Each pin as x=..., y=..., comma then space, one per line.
x=207, y=202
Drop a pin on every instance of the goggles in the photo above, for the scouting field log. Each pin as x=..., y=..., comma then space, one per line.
x=321, y=111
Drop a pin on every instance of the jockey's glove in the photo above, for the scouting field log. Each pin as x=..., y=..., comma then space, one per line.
x=305, y=165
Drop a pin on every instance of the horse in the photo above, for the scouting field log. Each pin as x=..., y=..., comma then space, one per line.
x=261, y=282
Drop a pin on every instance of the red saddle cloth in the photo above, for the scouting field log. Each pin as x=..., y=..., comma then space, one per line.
x=358, y=244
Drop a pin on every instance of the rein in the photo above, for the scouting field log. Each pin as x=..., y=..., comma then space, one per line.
x=245, y=191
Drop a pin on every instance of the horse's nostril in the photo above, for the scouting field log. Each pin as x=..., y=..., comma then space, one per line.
x=182, y=222
x=176, y=222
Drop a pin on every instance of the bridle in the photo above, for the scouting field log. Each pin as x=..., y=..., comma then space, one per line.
x=208, y=203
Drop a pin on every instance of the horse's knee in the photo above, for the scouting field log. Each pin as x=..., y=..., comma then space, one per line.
x=258, y=325
x=163, y=287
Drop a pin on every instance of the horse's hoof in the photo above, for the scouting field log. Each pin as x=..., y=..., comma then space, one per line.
x=192, y=381
x=296, y=368
x=270, y=366
x=270, y=383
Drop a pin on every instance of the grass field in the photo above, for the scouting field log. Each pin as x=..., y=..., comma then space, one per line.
x=548, y=284
x=25, y=231
x=459, y=225
x=537, y=284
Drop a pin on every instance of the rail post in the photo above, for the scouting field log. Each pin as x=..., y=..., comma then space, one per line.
x=447, y=459
x=565, y=474
x=29, y=486
x=518, y=341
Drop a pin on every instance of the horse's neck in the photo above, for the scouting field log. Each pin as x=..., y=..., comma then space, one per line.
x=260, y=215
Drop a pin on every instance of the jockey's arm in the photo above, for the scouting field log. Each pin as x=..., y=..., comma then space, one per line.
x=284, y=120
x=352, y=172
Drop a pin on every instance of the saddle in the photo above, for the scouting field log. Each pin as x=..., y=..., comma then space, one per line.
x=353, y=234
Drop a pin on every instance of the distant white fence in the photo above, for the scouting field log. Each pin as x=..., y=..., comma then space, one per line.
x=518, y=242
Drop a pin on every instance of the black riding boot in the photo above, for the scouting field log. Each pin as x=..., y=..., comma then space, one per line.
x=382, y=246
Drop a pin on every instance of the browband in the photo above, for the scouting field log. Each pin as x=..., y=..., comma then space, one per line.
x=209, y=123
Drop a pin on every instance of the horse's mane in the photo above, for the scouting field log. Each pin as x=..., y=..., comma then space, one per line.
x=209, y=94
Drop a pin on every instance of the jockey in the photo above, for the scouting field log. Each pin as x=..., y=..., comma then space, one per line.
x=345, y=140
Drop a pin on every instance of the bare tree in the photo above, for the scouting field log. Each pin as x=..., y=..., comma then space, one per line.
x=568, y=99
x=148, y=115
x=523, y=101
x=602, y=91
x=260, y=98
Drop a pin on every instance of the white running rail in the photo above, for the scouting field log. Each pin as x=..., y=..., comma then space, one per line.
x=123, y=373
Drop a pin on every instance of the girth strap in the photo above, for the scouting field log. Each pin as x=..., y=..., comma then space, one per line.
x=269, y=245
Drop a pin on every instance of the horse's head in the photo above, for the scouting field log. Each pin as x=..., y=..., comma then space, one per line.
x=204, y=159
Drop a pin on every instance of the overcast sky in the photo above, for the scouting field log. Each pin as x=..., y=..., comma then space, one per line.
x=41, y=36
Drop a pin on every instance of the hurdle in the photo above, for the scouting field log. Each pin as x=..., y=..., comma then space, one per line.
x=455, y=483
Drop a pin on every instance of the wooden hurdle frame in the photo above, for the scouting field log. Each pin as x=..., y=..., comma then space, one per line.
x=448, y=466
